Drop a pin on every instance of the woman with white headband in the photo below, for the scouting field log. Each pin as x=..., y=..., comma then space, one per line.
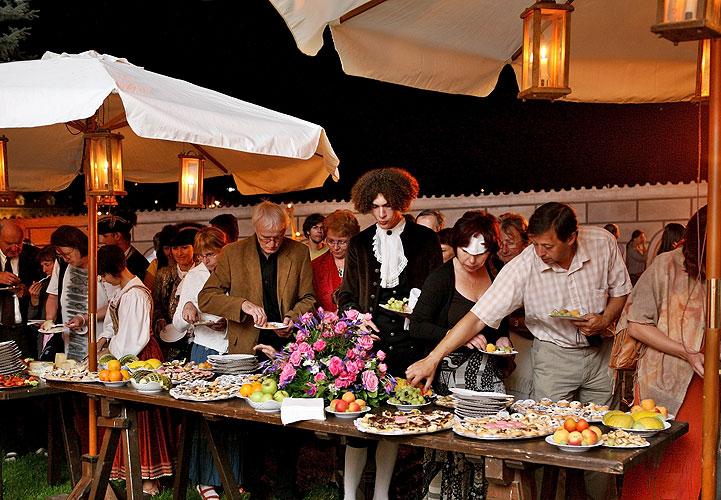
x=447, y=295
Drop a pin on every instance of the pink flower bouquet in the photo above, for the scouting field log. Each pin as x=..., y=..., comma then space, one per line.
x=331, y=355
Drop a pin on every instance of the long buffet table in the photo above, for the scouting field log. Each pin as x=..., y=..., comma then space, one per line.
x=509, y=464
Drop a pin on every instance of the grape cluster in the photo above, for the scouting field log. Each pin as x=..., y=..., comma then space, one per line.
x=396, y=304
x=408, y=395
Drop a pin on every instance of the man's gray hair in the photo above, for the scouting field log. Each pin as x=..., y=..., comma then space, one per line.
x=271, y=215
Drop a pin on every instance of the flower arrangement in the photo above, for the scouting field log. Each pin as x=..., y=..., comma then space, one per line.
x=332, y=355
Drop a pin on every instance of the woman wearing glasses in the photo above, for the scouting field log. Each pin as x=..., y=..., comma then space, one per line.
x=339, y=227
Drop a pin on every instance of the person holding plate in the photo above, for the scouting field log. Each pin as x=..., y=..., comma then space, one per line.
x=447, y=295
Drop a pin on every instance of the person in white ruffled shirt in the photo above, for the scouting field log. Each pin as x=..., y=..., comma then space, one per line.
x=386, y=260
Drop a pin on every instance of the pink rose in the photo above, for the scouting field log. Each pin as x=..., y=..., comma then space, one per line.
x=319, y=345
x=330, y=317
x=365, y=341
x=382, y=367
x=351, y=368
x=360, y=364
x=341, y=383
x=381, y=355
x=335, y=365
x=340, y=327
x=312, y=390
x=350, y=354
x=388, y=386
x=296, y=358
x=292, y=346
x=300, y=336
x=351, y=314
x=287, y=374
x=306, y=317
x=319, y=376
x=370, y=381
x=305, y=348
x=368, y=317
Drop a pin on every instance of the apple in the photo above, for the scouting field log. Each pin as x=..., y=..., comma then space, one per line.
x=269, y=386
x=635, y=408
x=266, y=397
x=333, y=403
x=348, y=397
x=341, y=406
x=569, y=425
x=280, y=395
x=354, y=406
x=589, y=437
x=662, y=410
x=255, y=397
x=597, y=430
x=581, y=425
x=560, y=436
x=575, y=438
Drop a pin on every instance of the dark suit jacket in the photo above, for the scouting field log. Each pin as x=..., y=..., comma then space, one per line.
x=361, y=277
x=237, y=278
x=29, y=270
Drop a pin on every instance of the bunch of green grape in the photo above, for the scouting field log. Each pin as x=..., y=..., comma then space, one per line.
x=408, y=396
x=396, y=305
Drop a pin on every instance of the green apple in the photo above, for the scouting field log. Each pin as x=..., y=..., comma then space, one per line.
x=255, y=397
x=280, y=395
x=269, y=386
x=266, y=397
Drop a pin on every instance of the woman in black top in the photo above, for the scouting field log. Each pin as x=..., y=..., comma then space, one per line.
x=448, y=294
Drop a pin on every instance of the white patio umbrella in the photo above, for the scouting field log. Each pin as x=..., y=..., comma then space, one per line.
x=44, y=105
x=460, y=46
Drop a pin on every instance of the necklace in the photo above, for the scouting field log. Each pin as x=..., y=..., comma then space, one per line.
x=340, y=272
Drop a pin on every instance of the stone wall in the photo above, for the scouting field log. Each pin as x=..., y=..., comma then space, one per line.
x=647, y=207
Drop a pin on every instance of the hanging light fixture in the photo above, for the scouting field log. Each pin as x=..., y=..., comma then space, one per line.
x=4, y=164
x=684, y=20
x=190, y=187
x=703, y=70
x=546, y=41
x=104, y=176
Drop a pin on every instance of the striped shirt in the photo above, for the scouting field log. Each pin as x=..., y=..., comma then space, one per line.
x=596, y=273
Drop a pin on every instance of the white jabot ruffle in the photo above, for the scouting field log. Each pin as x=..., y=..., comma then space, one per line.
x=388, y=250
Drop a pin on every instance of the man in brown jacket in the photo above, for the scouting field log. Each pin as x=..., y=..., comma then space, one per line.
x=264, y=279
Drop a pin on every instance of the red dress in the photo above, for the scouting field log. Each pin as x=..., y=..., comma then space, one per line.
x=325, y=280
x=678, y=476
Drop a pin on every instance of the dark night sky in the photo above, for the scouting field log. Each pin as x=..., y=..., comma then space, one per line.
x=498, y=144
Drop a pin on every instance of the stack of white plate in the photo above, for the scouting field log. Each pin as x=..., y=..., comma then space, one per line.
x=9, y=358
x=233, y=364
x=474, y=404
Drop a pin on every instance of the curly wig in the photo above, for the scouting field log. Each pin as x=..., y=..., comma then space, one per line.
x=397, y=186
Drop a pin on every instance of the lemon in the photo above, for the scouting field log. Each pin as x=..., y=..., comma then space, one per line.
x=490, y=348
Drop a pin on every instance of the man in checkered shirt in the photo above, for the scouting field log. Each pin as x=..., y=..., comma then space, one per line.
x=565, y=268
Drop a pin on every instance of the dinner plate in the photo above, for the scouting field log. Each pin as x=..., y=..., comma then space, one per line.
x=272, y=325
x=574, y=318
x=468, y=394
x=204, y=322
x=627, y=447
x=404, y=312
x=118, y=383
x=271, y=406
x=54, y=329
x=472, y=435
x=500, y=353
x=347, y=414
x=571, y=448
x=409, y=407
x=643, y=432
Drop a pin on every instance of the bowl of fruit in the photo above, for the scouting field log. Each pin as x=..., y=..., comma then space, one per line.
x=576, y=436
x=407, y=398
x=645, y=419
x=264, y=396
x=348, y=406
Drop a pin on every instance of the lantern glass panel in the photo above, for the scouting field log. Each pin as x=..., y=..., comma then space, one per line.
x=675, y=11
x=704, y=70
x=3, y=165
x=191, y=181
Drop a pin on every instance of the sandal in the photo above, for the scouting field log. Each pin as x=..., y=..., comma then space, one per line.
x=207, y=492
x=11, y=456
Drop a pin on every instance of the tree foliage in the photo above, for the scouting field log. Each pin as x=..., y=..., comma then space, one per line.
x=14, y=17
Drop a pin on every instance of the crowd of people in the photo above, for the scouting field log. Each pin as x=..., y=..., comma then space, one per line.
x=483, y=280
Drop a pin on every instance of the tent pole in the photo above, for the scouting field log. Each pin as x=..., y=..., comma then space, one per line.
x=713, y=284
x=92, y=314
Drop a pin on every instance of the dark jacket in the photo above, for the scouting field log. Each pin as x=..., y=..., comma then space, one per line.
x=429, y=320
x=361, y=277
x=29, y=270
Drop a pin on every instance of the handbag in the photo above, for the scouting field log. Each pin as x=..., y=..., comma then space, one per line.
x=626, y=351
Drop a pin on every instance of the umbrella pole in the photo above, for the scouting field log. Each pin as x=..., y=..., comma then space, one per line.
x=92, y=314
x=713, y=283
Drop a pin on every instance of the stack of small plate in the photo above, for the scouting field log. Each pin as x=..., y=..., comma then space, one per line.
x=479, y=404
x=233, y=364
x=9, y=362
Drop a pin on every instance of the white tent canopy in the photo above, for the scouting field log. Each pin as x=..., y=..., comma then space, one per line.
x=460, y=46
x=44, y=102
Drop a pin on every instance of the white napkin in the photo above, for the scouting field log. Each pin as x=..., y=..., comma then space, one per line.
x=412, y=300
x=297, y=409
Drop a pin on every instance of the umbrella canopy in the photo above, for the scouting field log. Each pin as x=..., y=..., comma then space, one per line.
x=460, y=46
x=44, y=105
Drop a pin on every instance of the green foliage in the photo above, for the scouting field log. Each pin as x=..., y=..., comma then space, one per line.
x=14, y=16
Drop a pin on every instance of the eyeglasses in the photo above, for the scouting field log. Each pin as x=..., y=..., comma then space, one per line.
x=63, y=255
x=268, y=239
x=340, y=243
x=211, y=255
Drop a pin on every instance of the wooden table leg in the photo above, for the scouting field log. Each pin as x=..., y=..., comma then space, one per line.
x=131, y=455
x=182, y=469
x=575, y=485
x=70, y=438
x=212, y=434
x=510, y=480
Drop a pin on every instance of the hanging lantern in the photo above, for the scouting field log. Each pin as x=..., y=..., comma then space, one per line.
x=546, y=41
x=684, y=20
x=104, y=176
x=3, y=164
x=703, y=70
x=190, y=187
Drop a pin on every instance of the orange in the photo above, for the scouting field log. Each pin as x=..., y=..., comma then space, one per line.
x=125, y=374
x=348, y=397
x=104, y=375
x=116, y=376
x=648, y=404
x=256, y=386
x=113, y=365
x=246, y=390
x=360, y=402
